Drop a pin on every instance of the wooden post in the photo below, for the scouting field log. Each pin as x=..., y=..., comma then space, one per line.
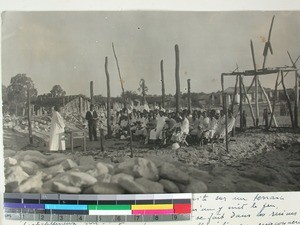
x=241, y=103
x=108, y=100
x=235, y=92
x=84, y=141
x=256, y=85
x=162, y=84
x=268, y=102
x=177, y=79
x=249, y=103
x=226, y=121
x=274, y=101
x=72, y=141
x=288, y=100
x=124, y=99
x=29, y=116
x=102, y=139
x=296, y=98
x=189, y=95
x=92, y=91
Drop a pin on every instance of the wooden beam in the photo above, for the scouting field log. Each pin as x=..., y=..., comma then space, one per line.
x=124, y=98
x=235, y=92
x=288, y=100
x=108, y=119
x=225, y=109
x=296, y=98
x=29, y=115
x=274, y=101
x=162, y=83
x=92, y=92
x=256, y=85
x=177, y=79
x=189, y=95
x=268, y=102
x=249, y=103
x=241, y=103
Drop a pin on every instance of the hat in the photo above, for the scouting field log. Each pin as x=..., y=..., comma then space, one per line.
x=218, y=111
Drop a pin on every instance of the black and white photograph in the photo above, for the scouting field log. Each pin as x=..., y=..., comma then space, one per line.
x=138, y=102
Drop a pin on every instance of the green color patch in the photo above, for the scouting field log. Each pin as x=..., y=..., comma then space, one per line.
x=92, y=207
x=113, y=207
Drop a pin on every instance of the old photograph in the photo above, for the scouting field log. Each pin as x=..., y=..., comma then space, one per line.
x=136, y=102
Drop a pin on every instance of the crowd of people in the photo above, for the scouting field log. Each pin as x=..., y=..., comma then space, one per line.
x=167, y=127
x=158, y=126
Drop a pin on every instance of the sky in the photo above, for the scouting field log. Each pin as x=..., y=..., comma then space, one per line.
x=69, y=48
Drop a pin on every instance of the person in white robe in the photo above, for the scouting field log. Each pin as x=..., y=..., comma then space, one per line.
x=57, y=132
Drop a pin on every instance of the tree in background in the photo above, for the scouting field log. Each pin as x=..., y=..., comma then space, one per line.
x=57, y=91
x=17, y=90
x=143, y=89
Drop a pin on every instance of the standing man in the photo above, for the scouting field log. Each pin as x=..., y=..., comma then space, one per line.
x=92, y=117
x=57, y=131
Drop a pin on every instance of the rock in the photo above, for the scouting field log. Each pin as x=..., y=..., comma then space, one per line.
x=196, y=186
x=29, y=167
x=169, y=186
x=56, y=161
x=102, y=168
x=87, y=161
x=295, y=170
x=85, y=179
x=15, y=174
x=294, y=163
x=9, y=153
x=10, y=161
x=53, y=170
x=150, y=186
x=11, y=187
x=105, y=188
x=145, y=168
x=31, y=185
x=62, y=187
x=36, y=159
x=104, y=178
x=170, y=172
x=198, y=174
x=115, y=178
x=126, y=167
x=131, y=186
x=262, y=175
x=109, y=167
x=68, y=164
x=247, y=185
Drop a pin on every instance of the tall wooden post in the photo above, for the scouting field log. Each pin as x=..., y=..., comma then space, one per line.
x=256, y=86
x=288, y=100
x=296, y=98
x=225, y=110
x=108, y=100
x=177, y=78
x=189, y=95
x=92, y=91
x=162, y=84
x=234, y=93
x=122, y=86
x=241, y=103
x=274, y=100
x=29, y=116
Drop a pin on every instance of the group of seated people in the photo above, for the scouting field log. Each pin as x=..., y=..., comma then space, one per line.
x=167, y=127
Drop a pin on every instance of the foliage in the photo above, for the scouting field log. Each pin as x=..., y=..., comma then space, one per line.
x=57, y=91
x=17, y=89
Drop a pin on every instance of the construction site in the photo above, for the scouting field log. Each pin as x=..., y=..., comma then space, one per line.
x=259, y=152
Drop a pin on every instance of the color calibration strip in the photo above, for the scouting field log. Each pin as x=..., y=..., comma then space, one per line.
x=98, y=208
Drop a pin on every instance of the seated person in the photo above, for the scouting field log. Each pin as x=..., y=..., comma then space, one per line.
x=182, y=130
x=221, y=133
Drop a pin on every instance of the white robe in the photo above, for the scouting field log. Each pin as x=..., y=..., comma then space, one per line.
x=57, y=133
